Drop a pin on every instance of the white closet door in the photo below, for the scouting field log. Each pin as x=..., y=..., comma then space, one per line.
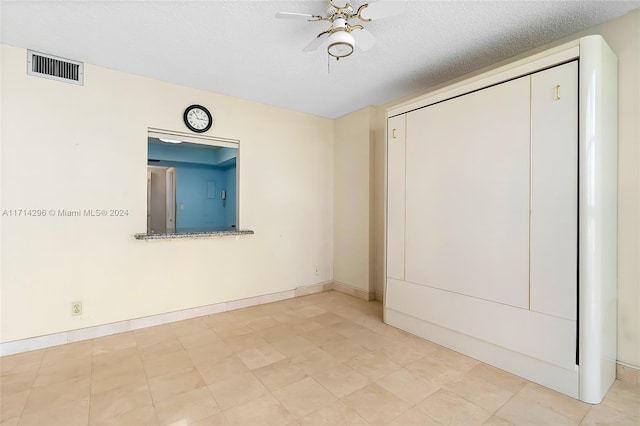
x=554, y=191
x=395, y=196
x=467, y=194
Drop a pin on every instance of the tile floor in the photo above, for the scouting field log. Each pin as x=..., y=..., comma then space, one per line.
x=321, y=359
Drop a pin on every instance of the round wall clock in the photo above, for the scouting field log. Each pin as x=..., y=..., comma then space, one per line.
x=197, y=118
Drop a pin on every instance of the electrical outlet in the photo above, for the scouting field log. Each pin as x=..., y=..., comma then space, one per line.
x=76, y=308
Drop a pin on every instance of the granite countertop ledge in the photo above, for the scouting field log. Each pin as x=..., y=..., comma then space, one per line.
x=203, y=234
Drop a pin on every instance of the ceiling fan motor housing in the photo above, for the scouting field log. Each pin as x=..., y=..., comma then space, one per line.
x=341, y=42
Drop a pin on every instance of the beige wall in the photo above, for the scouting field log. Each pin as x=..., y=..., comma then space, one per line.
x=623, y=35
x=379, y=139
x=352, y=158
x=85, y=147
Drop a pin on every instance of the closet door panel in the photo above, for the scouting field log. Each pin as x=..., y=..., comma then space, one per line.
x=554, y=191
x=467, y=194
x=395, y=196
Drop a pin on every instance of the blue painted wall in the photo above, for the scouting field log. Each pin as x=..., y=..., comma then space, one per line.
x=199, y=206
x=196, y=211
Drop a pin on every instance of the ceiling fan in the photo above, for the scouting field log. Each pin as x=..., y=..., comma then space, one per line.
x=341, y=41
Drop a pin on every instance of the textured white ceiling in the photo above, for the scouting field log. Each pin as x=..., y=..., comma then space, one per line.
x=240, y=49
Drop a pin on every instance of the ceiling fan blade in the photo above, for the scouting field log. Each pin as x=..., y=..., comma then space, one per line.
x=294, y=15
x=364, y=39
x=382, y=9
x=315, y=43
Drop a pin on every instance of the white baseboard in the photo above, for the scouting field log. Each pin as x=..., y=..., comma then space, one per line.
x=541, y=372
x=314, y=288
x=61, y=338
x=627, y=373
x=624, y=372
x=353, y=291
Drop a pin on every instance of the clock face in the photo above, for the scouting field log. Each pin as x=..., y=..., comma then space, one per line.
x=198, y=118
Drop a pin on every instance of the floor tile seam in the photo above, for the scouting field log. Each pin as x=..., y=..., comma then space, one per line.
x=19, y=416
x=551, y=408
x=409, y=409
x=499, y=417
x=38, y=371
x=268, y=391
x=589, y=410
x=91, y=387
x=324, y=406
x=477, y=379
x=329, y=390
x=74, y=375
x=184, y=349
x=300, y=336
x=146, y=378
x=631, y=391
x=278, y=387
x=127, y=412
x=214, y=398
x=35, y=375
x=273, y=395
x=537, y=402
x=459, y=396
x=91, y=383
x=155, y=407
x=142, y=348
x=399, y=397
x=182, y=370
x=156, y=404
x=495, y=413
x=411, y=362
x=163, y=352
x=475, y=404
x=295, y=416
x=193, y=364
x=51, y=384
x=54, y=406
x=612, y=407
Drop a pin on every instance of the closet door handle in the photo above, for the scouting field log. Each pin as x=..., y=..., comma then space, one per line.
x=393, y=133
x=557, y=92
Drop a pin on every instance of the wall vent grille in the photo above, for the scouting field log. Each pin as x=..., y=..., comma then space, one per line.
x=54, y=68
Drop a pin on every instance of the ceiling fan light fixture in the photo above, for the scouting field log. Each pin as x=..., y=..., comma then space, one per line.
x=341, y=44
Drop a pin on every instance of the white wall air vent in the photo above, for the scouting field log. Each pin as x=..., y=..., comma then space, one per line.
x=54, y=68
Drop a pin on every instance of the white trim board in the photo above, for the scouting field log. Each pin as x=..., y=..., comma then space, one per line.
x=543, y=373
x=71, y=336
